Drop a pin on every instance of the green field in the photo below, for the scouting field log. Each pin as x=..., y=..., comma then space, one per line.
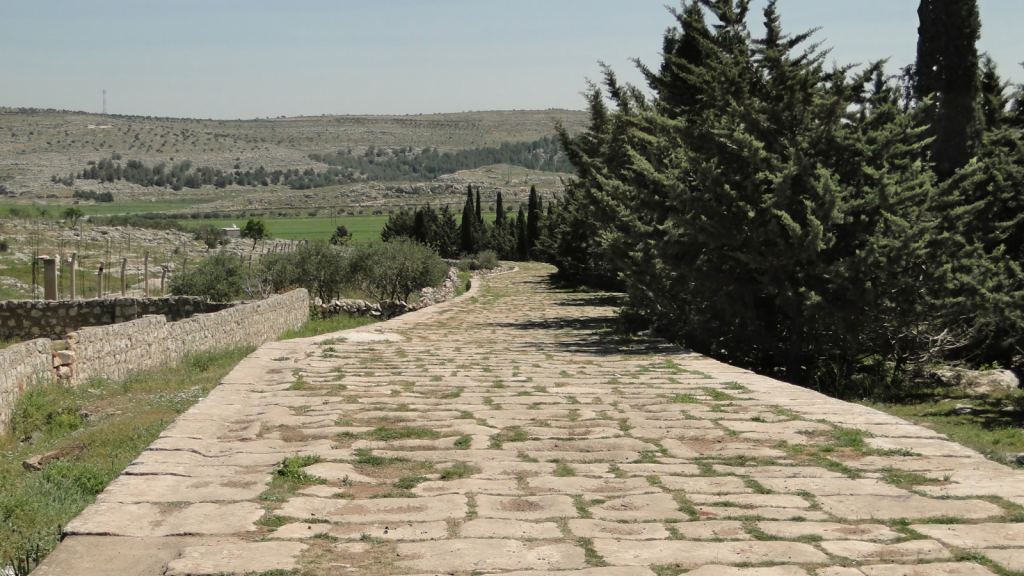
x=108, y=208
x=137, y=207
x=362, y=227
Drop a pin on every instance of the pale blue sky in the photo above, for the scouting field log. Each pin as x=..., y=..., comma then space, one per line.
x=255, y=58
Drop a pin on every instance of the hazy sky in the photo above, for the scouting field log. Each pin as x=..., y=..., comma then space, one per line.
x=255, y=58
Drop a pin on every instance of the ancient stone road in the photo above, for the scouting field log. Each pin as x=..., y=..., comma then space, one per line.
x=506, y=432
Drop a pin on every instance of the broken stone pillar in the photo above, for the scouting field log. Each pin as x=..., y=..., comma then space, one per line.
x=73, y=269
x=49, y=278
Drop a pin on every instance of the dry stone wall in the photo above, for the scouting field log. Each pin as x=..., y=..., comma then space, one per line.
x=21, y=366
x=25, y=319
x=115, y=350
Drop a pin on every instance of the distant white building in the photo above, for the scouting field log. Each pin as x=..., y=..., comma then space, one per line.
x=233, y=231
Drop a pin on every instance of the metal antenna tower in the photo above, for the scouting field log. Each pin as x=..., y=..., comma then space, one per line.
x=104, y=102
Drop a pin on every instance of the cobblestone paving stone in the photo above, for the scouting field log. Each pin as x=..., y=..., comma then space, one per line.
x=509, y=431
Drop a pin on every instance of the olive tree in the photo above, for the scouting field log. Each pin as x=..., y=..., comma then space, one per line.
x=219, y=278
x=394, y=270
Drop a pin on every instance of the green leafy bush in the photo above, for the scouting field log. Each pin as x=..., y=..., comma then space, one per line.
x=486, y=260
x=394, y=270
x=317, y=266
x=210, y=235
x=219, y=278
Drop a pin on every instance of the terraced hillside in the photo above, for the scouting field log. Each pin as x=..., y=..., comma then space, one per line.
x=37, y=145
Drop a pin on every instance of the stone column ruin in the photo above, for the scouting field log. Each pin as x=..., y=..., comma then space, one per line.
x=49, y=278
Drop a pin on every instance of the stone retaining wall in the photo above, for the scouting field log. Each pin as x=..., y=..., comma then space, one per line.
x=24, y=319
x=116, y=350
x=22, y=365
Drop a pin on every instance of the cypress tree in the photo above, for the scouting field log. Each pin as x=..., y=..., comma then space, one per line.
x=947, y=71
x=533, y=221
x=499, y=209
x=479, y=209
x=420, y=231
x=447, y=233
x=522, y=250
x=467, y=227
x=993, y=94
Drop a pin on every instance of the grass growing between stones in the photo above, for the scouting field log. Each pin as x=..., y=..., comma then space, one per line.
x=96, y=429
x=289, y=477
x=318, y=326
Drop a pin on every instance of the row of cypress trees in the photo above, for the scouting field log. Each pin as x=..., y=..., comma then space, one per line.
x=833, y=226
x=511, y=238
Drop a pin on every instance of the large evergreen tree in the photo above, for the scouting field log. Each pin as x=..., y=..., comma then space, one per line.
x=447, y=234
x=400, y=224
x=502, y=233
x=994, y=99
x=522, y=252
x=761, y=207
x=947, y=73
x=468, y=227
x=533, y=218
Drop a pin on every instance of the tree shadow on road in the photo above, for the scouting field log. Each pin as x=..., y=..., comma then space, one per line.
x=592, y=335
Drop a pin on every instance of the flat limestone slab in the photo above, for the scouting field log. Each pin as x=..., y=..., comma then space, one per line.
x=912, y=551
x=610, y=486
x=660, y=469
x=107, y=555
x=832, y=486
x=646, y=507
x=689, y=554
x=732, y=571
x=839, y=571
x=378, y=510
x=392, y=531
x=706, y=485
x=753, y=500
x=465, y=485
x=889, y=507
x=130, y=489
x=525, y=508
x=470, y=555
x=935, y=569
x=923, y=446
x=493, y=528
x=620, y=456
x=607, y=445
x=768, y=513
x=512, y=469
x=606, y=571
x=829, y=530
x=618, y=530
x=1007, y=558
x=761, y=472
x=237, y=558
x=147, y=520
x=336, y=472
x=712, y=530
x=974, y=535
